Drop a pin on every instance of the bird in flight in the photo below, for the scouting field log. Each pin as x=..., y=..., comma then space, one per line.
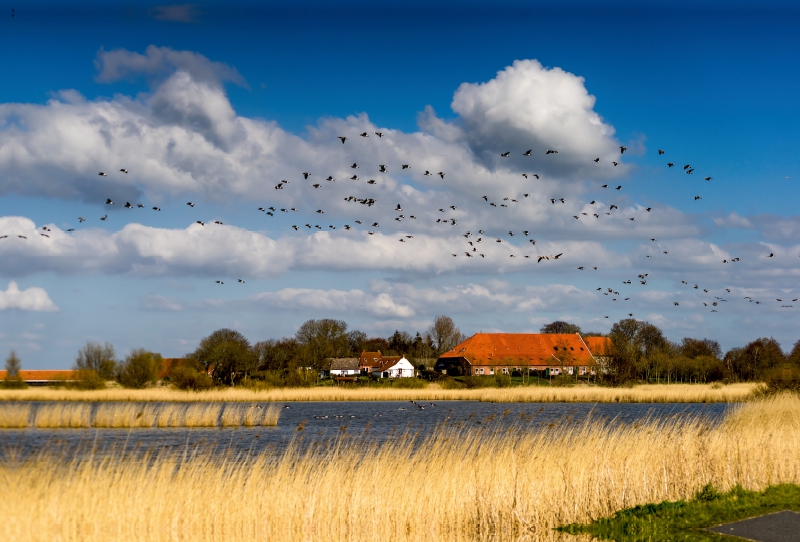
x=343, y=138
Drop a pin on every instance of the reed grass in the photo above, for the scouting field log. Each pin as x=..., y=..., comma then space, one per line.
x=15, y=416
x=647, y=393
x=132, y=415
x=511, y=484
x=127, y=415
x=63, y=415
x=250, y=416
x=170, y=415
x=206, y=415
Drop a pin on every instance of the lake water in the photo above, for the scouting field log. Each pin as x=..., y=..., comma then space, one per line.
x=325, y=422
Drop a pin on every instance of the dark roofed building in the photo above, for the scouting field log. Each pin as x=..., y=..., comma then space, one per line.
x=340, y=367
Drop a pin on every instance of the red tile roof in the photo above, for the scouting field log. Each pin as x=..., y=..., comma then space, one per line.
x=41, y=376
x=368, y=360
x=599, y=346
x=523, y=349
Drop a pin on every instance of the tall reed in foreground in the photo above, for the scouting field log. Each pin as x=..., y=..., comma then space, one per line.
x=456, y=485
x=647, y=393
x=15, y=416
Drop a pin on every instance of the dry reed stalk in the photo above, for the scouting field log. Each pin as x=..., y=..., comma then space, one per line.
x=454, y=485
x=259, y=415
x=270, y=415
x=63, y=416
x=232, y=416
x=124, y=415
x=14, y=416
x=648, y=393
x=202, y=415
x=169, y=415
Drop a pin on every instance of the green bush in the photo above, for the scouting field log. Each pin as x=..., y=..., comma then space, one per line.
x=140, y=368
x=785, y=378
x=189, y=378
x=87, y=379
x=502, y=380
x=409, y=383
x=471, y=382
x=9, y=383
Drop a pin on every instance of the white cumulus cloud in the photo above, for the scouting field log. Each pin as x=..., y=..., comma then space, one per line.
x=31, y=299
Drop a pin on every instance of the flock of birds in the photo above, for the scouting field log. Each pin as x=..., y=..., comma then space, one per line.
x=475, y=242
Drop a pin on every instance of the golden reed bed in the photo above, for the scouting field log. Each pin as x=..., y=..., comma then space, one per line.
x=129, y=415
x=650, y=393
x=456, y=485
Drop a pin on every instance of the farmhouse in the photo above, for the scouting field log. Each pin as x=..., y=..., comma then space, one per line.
x=401, y=368
x=503, y=353
x=370, y=362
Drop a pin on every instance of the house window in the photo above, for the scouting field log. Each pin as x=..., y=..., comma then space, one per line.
x=505, y=370
x=555, y=348
x=491, y=370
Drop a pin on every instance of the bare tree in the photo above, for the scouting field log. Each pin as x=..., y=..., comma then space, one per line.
x=444, y=334
x=97, y=358
x=320, y=339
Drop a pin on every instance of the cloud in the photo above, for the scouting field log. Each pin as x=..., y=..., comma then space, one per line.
x=733, y=220
x=32, y=299
x=540, y=109
x=179, y=13
x=195, y=143
x=229, y=251
x=162, y=61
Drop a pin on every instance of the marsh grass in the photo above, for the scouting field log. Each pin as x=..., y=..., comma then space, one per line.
x=648, y=393
x=170, y=415
x=63, y=415
x=205, y=415
x=515, y=483
x=124, y=415
x=134, y=415
x=15, y=416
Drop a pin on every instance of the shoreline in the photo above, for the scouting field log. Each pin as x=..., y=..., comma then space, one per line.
x=644, y=393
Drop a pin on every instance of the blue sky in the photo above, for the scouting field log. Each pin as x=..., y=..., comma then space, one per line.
x=249, y=94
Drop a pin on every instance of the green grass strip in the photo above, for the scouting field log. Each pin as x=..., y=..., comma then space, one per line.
x=688, y=521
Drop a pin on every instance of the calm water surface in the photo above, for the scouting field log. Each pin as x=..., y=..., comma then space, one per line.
x=328, y=422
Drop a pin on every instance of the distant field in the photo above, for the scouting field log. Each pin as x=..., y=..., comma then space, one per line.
x=473, y=484
x=650, y=393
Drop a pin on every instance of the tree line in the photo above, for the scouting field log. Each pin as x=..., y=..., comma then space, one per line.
x=638, y=351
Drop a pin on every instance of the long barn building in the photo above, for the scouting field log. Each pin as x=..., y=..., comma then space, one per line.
x=503, y=353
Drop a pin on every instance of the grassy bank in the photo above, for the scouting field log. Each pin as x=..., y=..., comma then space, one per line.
x=456, y=485
x=649, y=393
x=62, y=415
x=680, y=521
